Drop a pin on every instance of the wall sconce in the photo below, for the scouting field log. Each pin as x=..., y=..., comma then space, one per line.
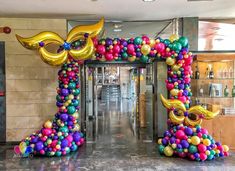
x=6, y=30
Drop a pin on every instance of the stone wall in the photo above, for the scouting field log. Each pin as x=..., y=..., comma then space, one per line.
x=30, y=83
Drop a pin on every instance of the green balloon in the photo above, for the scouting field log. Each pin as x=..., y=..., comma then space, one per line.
x=76, y=92
x=144, y=58
x=72, y=85
x=176, y=46
x=58, y=98
x=71, y=109
x=210, y=157
x=167, y=42
x=192, y=149
x=204, y=136
x=183, y=41
x=75, y=103
x=170, y=46
x=58, y=153
x=137, y=40
x=212, y=152
x=124, y=55
x=161, y=149
x=64, y=129
x=180, y=150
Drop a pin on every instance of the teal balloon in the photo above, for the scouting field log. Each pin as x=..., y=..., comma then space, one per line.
x=167, y=42
x=176, y=46
x=72, y=85
x=137, y=40
x=76, y=92
x=210, y=157
x=144, y=58
x=58, y=98
x=179, y=150
x=75, y=103
x=58, y=153
x=192, y=149
x=161, y=149
x=64, y=129
x=71, y=109
x=183, y=41
x=124, y=55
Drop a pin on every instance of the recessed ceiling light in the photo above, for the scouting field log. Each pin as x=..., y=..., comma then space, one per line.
x=117, y=30
x=148, y=0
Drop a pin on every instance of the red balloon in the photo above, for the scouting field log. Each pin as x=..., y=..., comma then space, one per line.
x=160, y=47
x=109, y=56
x=201, y=148
x=116, y=48
x=101, y=49
x=130, y=48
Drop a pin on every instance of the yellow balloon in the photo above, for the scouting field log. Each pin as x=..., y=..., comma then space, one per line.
x=48, y=124
x=168, y=151
x=195, y=140
x=175, y=67
x=190, y=122
x=152, y=43
x=173, y=37
x=145, y=49
x=206, y=142
x=174, y=92
x=170, y=61
x=159, y=141
x=176, y=119
x=132, y=58
x=226, y=148
x=22, y=147
x=169, y=104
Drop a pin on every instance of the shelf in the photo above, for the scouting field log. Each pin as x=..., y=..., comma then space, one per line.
x=208, y=97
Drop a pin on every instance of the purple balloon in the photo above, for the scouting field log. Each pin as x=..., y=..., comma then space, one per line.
x=184, y=144
x=172, y=140
x=164, y=142
x=188, y=131
x=64, y=116
x=181, y=86
x=180, y=57
x=64, y=92
x=138, y=54
x=124, y=43
x=108, y=42
x=70, y=123
x=64, y=143
x=167, y=134
x=39, y=146
x=34, y=140
x=179, y=146
x=58, y=104
x=76, y=136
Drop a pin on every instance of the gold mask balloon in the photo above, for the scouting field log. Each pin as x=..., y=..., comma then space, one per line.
x=41, y=40
x=177, y=112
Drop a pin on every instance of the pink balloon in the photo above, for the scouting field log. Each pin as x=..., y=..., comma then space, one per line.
x=187, y=80
x=95, y=41
x=116, y=48
x=204, y=131
x=160, y=47
x=130, y=48
x=109, y=56
x=17, y=149
x=203, y=156
x=69, y=138
x=101, y=49
x=182, y=99
x=169, y=86
x=201, y=148
x=180, y=134
x=188, y=61
x=46, y=131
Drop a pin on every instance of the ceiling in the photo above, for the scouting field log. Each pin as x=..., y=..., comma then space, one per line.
x=117, y=9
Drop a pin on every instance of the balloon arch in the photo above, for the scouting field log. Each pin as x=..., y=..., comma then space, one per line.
x=184, y=137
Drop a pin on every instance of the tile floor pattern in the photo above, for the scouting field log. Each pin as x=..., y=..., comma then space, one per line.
x=115, y=148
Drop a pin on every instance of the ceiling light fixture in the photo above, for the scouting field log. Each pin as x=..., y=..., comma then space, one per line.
x=148, y=0
x=117, y=30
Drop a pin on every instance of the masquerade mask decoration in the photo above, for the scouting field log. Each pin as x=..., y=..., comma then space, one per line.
x=41, y=40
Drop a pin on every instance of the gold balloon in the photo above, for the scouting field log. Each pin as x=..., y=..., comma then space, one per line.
x=169, y=104
x=132, y=58
x=174, y=92
x=175, y=67
x=173, y=37
x=199, y=110
x=41, y=40
x=168, y=151
x=170, y=61
x=145, y=49
x=152, y=43
x=190, y=122
x=48, y=124
x=176, y=119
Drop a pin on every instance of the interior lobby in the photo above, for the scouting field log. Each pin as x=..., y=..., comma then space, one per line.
x=117, y=85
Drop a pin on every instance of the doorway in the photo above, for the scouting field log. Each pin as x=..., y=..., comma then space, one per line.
x=118, y=102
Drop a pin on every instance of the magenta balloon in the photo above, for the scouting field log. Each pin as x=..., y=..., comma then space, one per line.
x=101, y=49
x=116, y=49
x=109, y=56
x=160, y=47
x=130, y=48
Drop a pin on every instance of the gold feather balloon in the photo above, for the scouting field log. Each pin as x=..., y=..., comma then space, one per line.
x=41, y=40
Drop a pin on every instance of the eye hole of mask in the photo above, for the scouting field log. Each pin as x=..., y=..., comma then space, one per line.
x=53, y=48
x=178, y=112
x=193, y=117
x=78, y=44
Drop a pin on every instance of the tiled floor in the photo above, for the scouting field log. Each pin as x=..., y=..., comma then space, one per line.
x=114, y=147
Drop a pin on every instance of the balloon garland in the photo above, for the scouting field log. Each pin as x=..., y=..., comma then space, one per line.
x=184, y=138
